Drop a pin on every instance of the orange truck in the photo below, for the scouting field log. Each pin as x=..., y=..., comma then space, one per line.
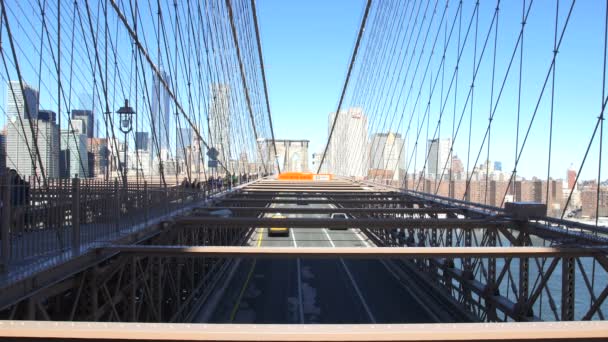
x=305, y=176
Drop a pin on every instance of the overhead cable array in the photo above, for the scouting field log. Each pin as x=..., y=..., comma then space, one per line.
x=191, y=71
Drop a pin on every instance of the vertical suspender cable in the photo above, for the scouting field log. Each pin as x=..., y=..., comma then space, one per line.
x=257, y=37
x=350, y=68
x=243, y=79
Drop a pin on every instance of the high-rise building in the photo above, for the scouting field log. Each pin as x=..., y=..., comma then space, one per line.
x=86, y=116
x=21, y=103
x=47, y=115
x=438, y=151
x=24, y=153
x=387, y=155
x=197, y=156
x=141, y=141
x=348, y=151
x=219, y=121
x=457, y=168
x=115, y=156
x=76, y=160
x=99, y=149
x=48, y=142
x=79, y=126
x=183, y=143
x=2, y=153
x=571, y=178
x=160, y=116
x=20, y=152
x=497, y=166
x=139, y=162
x=22, y=111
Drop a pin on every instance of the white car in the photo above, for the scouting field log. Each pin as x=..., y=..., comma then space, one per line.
x=338, y=216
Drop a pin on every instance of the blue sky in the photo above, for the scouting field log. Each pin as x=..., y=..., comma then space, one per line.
x=307, y=46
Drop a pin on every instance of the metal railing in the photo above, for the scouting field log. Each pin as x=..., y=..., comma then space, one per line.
x=74, y=215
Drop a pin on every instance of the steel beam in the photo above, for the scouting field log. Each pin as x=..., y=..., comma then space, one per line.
x=322, y=201
x=379, y=223
x=356, y=252
x=316, y=194
x=325, y=191
x=80, y=331
x=308, y=210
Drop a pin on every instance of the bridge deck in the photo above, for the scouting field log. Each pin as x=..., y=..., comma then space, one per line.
x=315, y=291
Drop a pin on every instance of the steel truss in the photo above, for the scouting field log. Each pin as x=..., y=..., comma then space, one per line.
x=494, y=266
x=135, y=288
x=498, y=289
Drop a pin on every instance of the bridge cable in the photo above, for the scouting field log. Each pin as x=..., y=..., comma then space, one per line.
x=157, y=72
x=261, y=60
x=350, y=67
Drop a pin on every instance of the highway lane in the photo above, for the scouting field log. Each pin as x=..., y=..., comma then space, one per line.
x=315, y=291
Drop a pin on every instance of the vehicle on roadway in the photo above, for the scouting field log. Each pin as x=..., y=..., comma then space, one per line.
x=272, y=231
x=338, y=216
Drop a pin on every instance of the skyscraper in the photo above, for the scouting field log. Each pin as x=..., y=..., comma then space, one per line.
x=438, y=152
x=89, y=121
x=571, y=178
x=141, y=141
x=23, y=125
x=48, y=142
x=219, y=121
x=20, y=153
x=75, y=152
x=387, y=156
x=99, y=150
x=184, y=142
x=21, y=147
x=348, y=151
x=21, y=103
x=161, y=117
x=2, y=153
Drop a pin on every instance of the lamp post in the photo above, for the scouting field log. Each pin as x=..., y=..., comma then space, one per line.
x=126, y=126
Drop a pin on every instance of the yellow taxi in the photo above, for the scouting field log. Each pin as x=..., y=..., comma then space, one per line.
x=272, y=231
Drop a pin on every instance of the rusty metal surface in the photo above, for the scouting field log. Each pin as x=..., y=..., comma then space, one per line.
x=537, y=331
x=357, y=252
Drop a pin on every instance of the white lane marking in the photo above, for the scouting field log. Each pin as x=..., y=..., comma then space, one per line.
x=353, y=282
x=329, y=237
x=293, y=237
x=359, y=234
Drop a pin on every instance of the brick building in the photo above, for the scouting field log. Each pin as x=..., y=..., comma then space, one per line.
x=522, y=191
x=589, y=200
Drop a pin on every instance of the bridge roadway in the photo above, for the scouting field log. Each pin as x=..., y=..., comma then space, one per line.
x=312, y=290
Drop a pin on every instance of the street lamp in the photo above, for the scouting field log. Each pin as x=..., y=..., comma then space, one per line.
x=126, y=126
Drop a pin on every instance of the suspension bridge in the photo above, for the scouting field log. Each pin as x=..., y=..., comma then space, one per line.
x=460, y=192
